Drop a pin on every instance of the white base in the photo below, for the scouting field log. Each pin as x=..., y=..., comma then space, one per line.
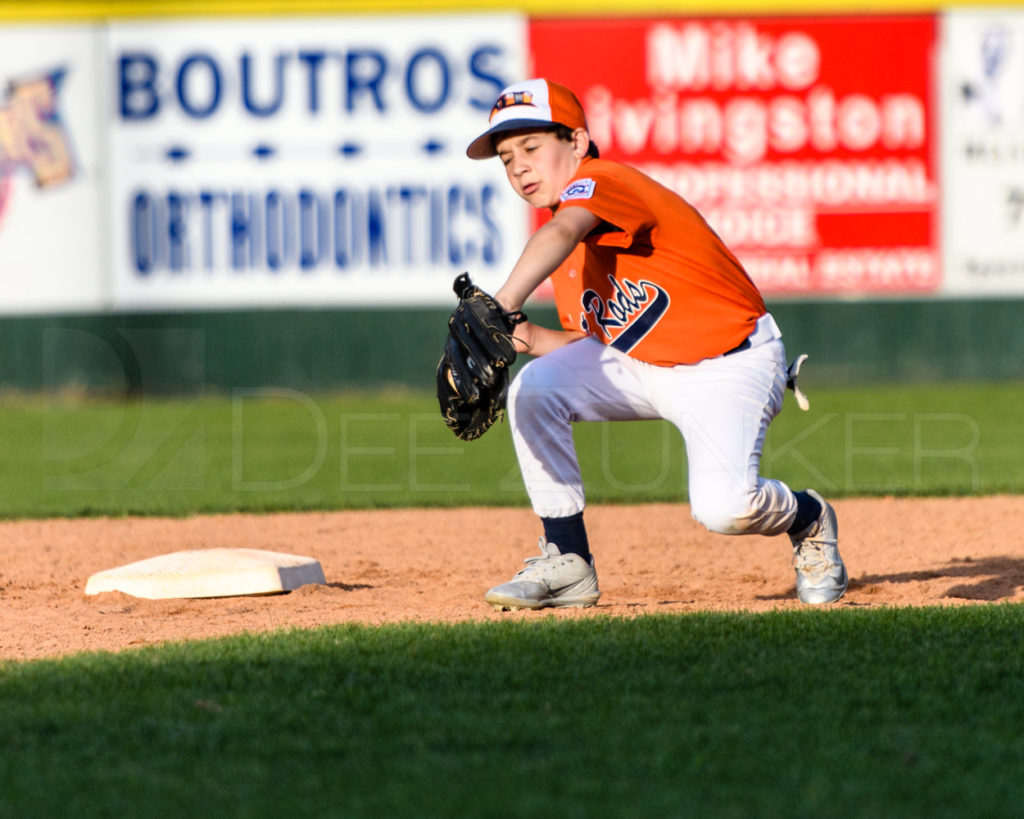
x=209, y=573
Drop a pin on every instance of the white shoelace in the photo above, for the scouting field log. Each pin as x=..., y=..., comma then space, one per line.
x=539, y=565
x=810, y=558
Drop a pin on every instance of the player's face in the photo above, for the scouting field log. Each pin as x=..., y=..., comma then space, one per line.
x=538, y=164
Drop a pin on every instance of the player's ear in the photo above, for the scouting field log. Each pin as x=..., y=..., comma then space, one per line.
x=580, y=142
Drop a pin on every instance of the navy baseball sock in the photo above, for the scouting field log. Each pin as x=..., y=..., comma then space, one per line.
x=808, y=510
x=569, y=534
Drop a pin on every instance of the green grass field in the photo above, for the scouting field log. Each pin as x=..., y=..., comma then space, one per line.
x=843, y=712
x=813, y=713
x=284, y=450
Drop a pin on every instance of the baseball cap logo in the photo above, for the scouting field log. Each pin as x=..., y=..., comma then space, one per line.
x=537, y=103
x=512, y=98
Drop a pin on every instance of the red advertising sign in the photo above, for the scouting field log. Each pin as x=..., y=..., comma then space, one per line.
x=807, y=142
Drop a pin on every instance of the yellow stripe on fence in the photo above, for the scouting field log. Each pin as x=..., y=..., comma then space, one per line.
x=63, y=10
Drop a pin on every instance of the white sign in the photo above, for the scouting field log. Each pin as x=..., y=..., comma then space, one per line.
x=983, y=152
x=308, y=161
x=50, y=178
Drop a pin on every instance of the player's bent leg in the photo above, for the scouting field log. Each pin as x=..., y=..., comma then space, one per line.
x=723, y=408
x=723, y=506
x=821, y=575
x=540, y=417
x=724, y=436
x=583, y=381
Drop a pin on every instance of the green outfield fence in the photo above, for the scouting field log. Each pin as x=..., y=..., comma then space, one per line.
x=326, y=350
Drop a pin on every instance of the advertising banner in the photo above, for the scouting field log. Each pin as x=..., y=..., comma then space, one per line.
x=255, y=162
x=51, y=226
x=983, y=151
x=308, y=162
x=807, y=142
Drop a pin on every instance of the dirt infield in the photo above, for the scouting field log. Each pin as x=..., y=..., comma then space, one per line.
x=434, y=565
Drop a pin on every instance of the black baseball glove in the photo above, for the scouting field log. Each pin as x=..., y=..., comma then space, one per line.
x=472, y=376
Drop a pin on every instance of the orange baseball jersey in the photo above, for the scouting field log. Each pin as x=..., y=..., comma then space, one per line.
x=653, y=279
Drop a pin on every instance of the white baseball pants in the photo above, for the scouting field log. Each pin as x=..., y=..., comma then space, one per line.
x=722, y=406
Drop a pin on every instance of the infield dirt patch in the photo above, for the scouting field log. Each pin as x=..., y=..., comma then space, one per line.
x=434, y=565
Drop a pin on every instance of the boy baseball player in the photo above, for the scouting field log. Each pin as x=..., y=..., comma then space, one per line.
x=659, y=320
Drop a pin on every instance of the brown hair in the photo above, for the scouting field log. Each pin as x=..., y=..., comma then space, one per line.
x=564, y=132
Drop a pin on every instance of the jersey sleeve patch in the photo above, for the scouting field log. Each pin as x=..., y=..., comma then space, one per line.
x=579, y=189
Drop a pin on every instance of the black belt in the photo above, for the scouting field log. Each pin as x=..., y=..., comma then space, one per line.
x=743, y=345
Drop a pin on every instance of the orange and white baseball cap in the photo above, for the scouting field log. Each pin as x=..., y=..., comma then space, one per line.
x=535, y=103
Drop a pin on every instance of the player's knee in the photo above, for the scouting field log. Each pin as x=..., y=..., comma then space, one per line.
x=723, y=514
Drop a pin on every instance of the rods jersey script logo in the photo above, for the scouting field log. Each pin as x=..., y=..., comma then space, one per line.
x=626, y=316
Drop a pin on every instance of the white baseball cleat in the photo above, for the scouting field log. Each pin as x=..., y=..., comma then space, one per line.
x=820, y=573
x=550, y=579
